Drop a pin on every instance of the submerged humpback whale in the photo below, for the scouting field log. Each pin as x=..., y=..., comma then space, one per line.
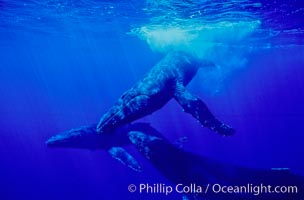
x=165, y=81
x=183, y=167
x=86, y=137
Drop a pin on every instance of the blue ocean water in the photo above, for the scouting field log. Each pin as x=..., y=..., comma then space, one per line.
x=63, y=63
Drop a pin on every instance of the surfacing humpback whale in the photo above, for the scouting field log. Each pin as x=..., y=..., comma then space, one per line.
x=165, y=81
x=183, y=167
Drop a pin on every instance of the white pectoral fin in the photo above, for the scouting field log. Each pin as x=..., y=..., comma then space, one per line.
x=125, y=158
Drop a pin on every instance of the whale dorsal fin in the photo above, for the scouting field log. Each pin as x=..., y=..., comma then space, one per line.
x=125, y=158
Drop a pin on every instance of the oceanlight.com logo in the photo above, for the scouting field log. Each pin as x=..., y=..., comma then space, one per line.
x=160, y=188
x=254, y=189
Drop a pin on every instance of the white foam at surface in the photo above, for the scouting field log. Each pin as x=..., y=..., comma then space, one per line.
x=215, y=41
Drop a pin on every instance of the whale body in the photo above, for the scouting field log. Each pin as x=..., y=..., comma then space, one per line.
x=180, y=166
x=165, y=81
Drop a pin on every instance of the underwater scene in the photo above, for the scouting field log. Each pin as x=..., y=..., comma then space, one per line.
x=151, y=99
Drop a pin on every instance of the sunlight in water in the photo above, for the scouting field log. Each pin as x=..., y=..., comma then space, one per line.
x=215, y=30
x=219, y=42
x=201, y=40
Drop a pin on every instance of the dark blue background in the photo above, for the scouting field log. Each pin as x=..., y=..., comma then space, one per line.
x=50, y=83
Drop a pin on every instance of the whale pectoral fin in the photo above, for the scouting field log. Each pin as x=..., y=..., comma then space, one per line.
x=125, y=158
x=198, y=109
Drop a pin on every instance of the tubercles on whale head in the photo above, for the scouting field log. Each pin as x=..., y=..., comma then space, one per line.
x=142, y=141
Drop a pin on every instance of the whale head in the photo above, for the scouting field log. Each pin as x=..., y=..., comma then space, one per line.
x=83, y=137
x=86, y=137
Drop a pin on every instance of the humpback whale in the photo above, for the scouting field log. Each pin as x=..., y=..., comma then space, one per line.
x=180, y=166
x=86, y=137
x=183, y=167
x=166, y=80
